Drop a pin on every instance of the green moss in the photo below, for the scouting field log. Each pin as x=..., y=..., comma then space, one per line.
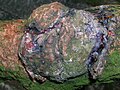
x=18, y=75
x=7, y=74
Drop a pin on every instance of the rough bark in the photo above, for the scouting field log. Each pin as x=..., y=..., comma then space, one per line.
x=10, y=33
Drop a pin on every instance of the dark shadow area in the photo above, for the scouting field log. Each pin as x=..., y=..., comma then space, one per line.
x=11, y=85
x=21, y=9
x=104, y=86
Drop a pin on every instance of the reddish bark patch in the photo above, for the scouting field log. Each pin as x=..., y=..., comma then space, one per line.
x=9, y=41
